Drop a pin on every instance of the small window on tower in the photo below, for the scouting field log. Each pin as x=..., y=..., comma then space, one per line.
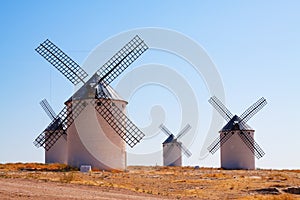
x=113, y=104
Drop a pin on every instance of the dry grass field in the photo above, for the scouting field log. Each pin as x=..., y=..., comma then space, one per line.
x=168, y=182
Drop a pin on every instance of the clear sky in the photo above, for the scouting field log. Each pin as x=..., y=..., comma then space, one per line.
x=254, y=45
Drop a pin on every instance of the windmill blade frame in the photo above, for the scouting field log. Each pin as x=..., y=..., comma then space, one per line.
x=252, y=110
x=183, y=131
x=62, y=121
x=121, y=60
x=165, y=130
x=180, y=134
x=218, y=142
x=106, y=74
x=62, y=62
x=118, y=121
x=252, y=145
x=221, y=108
x=187, y=152
x=48, y=109
x=118, y=60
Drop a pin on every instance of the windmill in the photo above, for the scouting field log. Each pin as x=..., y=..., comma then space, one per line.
x=101, y=147
x=58, y=153
x=172, y=147
x=236, y=139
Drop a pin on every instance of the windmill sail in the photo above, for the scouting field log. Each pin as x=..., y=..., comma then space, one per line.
x=217, y=104
x=104, y=76
x=121, y=60
x=47, y=108
x=217, y=143
x=61, y=61
x=62, y=122
x=237, y=125
x=122, y=125
x=172, y=138
x=252, y=110
x=252, y=145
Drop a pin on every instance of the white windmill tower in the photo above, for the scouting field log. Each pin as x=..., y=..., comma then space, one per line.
x=172, y=147
x=101, y=128
x=236, y=139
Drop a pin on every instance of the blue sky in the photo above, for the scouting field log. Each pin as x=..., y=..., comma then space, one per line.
x=254, y=45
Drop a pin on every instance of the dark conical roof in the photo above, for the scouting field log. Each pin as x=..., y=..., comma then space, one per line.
x=234, y=124
x=169, y=139
x=89, y=89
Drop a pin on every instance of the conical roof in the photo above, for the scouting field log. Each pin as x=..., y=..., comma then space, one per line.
x=235, y=124
x=169, y=139
x=109, y=92
x=89, y=89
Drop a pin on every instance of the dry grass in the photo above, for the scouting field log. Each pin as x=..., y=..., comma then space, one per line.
x=175, y=182
x=35, y=167
x=268, y=197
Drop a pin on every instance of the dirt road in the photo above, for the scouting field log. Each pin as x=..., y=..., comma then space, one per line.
x=34, y=189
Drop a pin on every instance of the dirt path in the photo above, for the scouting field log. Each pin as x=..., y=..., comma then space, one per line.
x=33, y=189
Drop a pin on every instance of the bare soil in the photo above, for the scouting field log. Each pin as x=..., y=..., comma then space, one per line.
x=36, y=189
x=39, y=181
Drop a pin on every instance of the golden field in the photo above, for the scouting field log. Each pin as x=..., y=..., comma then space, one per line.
x=169, y=182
